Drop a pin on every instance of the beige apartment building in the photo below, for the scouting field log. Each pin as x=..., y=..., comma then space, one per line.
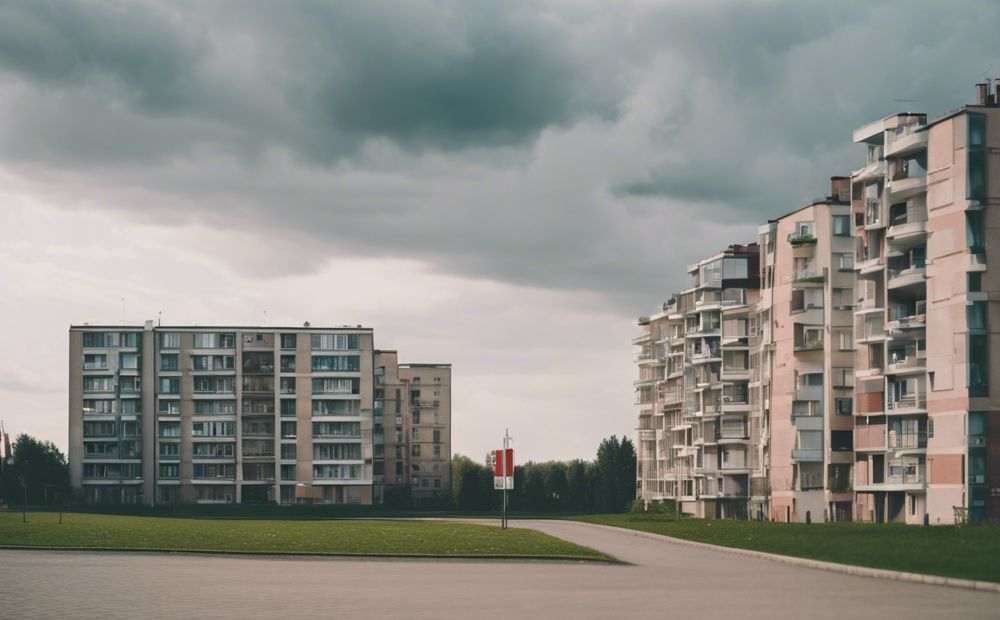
x=162, y=415
x=870, y=387
x=694, y=436
x=412, y=427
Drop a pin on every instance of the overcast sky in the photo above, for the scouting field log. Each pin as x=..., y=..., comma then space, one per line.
x=499, y=185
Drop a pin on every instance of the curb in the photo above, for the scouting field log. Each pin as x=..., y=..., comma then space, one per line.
x=847, y=569
x=325, y=555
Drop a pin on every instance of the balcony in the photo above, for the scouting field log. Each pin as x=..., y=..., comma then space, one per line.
x=810, y=340
x=907, y=441
x=906, y=232
x=904, y=187
x=705, y=357
x=807, y=455
x=873, y=214
x=801, y=237
x=909, y=403
x=910, y=276
x=868, y=265
x=872, y=171
x=810, y=276
x=909, y=362
x=905, y=140
x=911, y=322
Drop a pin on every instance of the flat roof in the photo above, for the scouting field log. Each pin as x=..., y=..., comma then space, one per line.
x=424, y=365
x=259, y=328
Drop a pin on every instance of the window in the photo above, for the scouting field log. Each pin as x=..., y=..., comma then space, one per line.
x=130, y=385
x=213, y=429
x=170, y=385
x=170, y=471
x=287, y=363
x=437, y=450
x=975, y=235
x=288, y=472
x=129, y=361
x=98, y=384
x=399, y=468
x=214, y=341
x=976, y=316
x=336, y=429
x=975, y=281
x=416, y=450
x=214, y=385
x=95, y=361
x=288, y=430
x=812, y=379
x=95, y=339
x=437, y=436
x=416, y=417
x=978, y=372
x=843, y=406
x=170, y=429
x=975, y=187
x=334, y=342
x=170, y=341
x=336, y=386
x=841, y=441
x=98, y=407
x=215, y=407
x=287, y=385
x=288, y=341
x=288, y=407
x=337, y=472
x=288, y=451
x=202, y=450
x=169, y=361
x=203, y=471
x=99, y=429
x=842, y=225
x=337, y=452
x=336, y=407
x=170, y=450
x=336, y=363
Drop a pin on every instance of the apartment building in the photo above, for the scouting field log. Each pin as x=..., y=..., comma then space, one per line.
x=926, y=435
x=161, y=415
x=868, y=346
x=804, y=358
x=693, y=389
x=412, y=427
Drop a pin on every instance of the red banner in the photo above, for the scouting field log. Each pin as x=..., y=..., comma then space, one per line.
x=498, y=462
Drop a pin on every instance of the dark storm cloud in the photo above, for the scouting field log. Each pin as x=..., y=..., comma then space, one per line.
x=561, y=144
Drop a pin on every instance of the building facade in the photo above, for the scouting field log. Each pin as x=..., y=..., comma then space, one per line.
x=412, y=427
x=868, y=345
x=164, y=415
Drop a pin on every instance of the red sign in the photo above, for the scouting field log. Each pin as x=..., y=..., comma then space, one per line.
x=498, y=463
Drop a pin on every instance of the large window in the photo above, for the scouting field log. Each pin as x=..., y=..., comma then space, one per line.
x=98, y=384
x=288, y=341
x=978, y=371
x=129, y=361
x=975, y=232
x=336, y=429
x=170, y=385
x=213, y=429
x=214, y=341
x=337, y=472
x=169, y=361
x=336, y=363
x=207, y=471
x=337, y=452
x=215, y=407
x=335, y=386
x=842, y=225
x=95, y=361
x=335, y=342
x=213, y=362
x=170, y=341
x=336, y=407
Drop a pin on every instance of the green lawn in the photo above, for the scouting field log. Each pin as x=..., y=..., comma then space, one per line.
x=970, y=552
x=333, y=537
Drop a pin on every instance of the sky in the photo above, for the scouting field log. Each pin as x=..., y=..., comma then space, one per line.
x=503, y=186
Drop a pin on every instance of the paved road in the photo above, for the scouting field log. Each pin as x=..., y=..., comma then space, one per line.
x=666, y=581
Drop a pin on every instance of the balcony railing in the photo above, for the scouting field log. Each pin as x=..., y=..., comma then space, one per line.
x=909, y=401
x=902, y=441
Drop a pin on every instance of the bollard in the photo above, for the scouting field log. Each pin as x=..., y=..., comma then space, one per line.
x=809, y=517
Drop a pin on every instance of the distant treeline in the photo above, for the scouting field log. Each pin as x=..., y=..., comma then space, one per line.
x=606, y=484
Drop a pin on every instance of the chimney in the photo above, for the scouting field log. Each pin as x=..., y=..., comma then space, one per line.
x=840, y=189
x=981, y=90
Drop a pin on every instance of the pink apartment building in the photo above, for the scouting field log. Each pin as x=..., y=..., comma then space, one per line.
x=851, y=380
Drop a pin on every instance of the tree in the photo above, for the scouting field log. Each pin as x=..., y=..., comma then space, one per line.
x=41, y=467
x=577, y=486
x=556, y=486
x=472, y=484
x=627, y=463
x=535, y=495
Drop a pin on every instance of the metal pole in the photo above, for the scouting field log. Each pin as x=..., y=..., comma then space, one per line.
x=503, y=471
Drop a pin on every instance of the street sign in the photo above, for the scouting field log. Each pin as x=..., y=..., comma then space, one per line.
x=498, y=483
x=503, y=474
x=501, y=466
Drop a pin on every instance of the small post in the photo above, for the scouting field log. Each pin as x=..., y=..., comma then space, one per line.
x=503, y=470
x=24, y=512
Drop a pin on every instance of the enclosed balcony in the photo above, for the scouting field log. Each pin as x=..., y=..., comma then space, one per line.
x=907, y=178
x=906, y=139
x=808, y=337
x=907, y=395
x=908, y=359
x=873, y=214
x=907, y=270
x=907, y=224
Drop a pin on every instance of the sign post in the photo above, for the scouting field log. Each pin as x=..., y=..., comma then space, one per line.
x=503, y=473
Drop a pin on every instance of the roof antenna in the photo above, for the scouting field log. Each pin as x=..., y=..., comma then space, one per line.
x=159, y=318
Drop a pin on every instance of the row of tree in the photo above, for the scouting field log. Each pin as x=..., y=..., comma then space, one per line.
x=606, y=484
